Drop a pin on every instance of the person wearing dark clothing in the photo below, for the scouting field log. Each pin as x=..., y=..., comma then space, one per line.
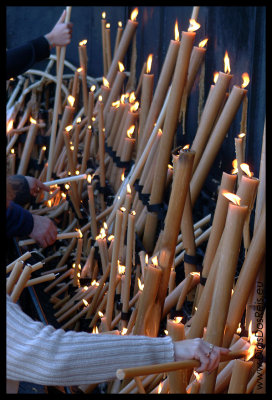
x=19, y=221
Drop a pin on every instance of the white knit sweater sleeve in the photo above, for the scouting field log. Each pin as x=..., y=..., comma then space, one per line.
x=41, y=354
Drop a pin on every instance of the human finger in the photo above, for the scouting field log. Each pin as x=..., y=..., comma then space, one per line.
x=62, y=17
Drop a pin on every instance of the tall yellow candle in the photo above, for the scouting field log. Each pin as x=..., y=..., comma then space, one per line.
x=170, y=124
x=240, y=376
x=28, y=147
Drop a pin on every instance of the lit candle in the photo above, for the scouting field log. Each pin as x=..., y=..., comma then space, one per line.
x=224, y=280
x=170, y=124
x=90, y=105
x=28, y=147
x=14, y=276
x=20, y=285
x=114, y=266
x=216, y=139
x=123, y=45
x=103, y=29
x=92, y=211
x=247, y=276
x=240, y=153
x=246, y=81
x=146, y=98
x=118, y=36
x=101, y=151
x=68, y=179
x=77, y=259
x=161, y=89
x=83, y=73
x=116, y=89
x=12, y=159
x=85, y=157
x=75, y=83
x=108, y=44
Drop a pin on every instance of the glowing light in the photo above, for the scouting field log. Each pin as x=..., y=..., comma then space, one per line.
x=246, y=80
x=103, y=15
x=85, y=302
x=177, y=320
x=128, y=188
x=186, y=147
x=134, y=107
x=232, y=197
x=155, y=261
x=108, y=25
x=194, y=26
x=203, y=43
x=130, y=131
x=134, y=14
x=120, y=24
x=140, y=285
x=132, y=97
x=124, y=331
x=235, y=167
x=226, y=63
x=32, y=120
x=105, y=83
x=215, y=76
x=121, y=66
x=245, y=168
x=83, y=42
x=68, y=128
x=10, y=125
x=93, y=87
x=71, y=100
x=149, y=63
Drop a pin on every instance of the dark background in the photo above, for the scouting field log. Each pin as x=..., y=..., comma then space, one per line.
x=239, y=30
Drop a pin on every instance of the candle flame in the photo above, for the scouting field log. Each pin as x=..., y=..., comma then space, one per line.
x=108, y=25
x=121, y=66
x=123, y=175
x=226, y=63
x=123, y=209
x=176, y=31
x=133, y=212
x=134, y=14
x=116, y=104
x=203, y=42
x=110, y=238
x=89, y=178
x=232, y=197
x=128, y=188
x=10, y=125
x=100, y=314
x=103, y=15
x=130, y=131
x=134, y=107
x=121, y=268
x=120, y=24
x=246, y=80
x=80, y=233
x=102, y=233
x=140, y=285
x=12, y=151
x=177, y=320
x=85, y=302
x=105, y=225
x=241, y=135
x=124, y=331
x=197, y=376
x=95, y=330
x=149, y=63
x=100, y=98
x=92, y=89
x=235, y=166
x=146, y=258
x=79, y=69
x=186, y=147
x=194, y=26
x=83, y=42
x=166, y=331
x=132, y=97
x=160, y=388
x=94, y=283
x=215, y=76
x=245, y=168
x=155, y=261
x=194, y=273
x=253, y=341
x=239, y=329
x=32, y=120
x=105, y=82
x=68, y=128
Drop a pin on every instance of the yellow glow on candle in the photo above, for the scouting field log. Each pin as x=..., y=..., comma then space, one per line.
x=95, y=330
x=239, y=329
x=83, y=42
x=241, y=135
x=71, y=100
x=116, y=104
x=132, y=97
x=232, y=197
x=121, y=66
x=12, y=151
x=85, y=302
x=68, y=128
x=10, y=125
x=103, y=15
x=215, y=76
x=134, y=107
x=186, y=147
x=120, y=24
x=108, y=25
x=177, y=320
x=149, y=63
x=203, y=43
x=235, y=166
x=124, y=331
x=130, y=131
x=245, y=168
x=155, y=261
x=33, y=121
x=134, y=14
x=100, y=314
x=176, y=31
x=246, y=80
x=194, y=26
x=123, y=176
x=105, y=82
x=80, y=233
x=226, y=63
x=140, y=285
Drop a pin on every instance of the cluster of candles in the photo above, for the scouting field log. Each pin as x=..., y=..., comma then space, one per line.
x=133, y=290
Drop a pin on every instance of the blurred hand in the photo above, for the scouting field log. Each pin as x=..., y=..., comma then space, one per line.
x=44, y=231
x=61, y=34
x=198, y=349
x=35, y=185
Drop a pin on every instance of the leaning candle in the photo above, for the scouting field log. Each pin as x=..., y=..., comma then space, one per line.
x=118, y=36
x=123, y=45
x=240, y=376
x=216, y=139
x=68, y=179
x=28, y=147
x=83, y=73
x=116, y=88
x=78, y=257
x=14, y=276
x=92, y=211
x=224, y=280
x=19, y=287
x=103, y=28
x=170, y=124
x=108, y=44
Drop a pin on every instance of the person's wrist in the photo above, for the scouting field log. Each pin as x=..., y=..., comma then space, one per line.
x=48, y=37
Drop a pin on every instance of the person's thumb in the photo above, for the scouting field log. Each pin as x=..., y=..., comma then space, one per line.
x=62, y=18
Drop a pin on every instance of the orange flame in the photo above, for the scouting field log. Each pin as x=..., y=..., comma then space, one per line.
x=103, y=15
x=149, y=63
x=32, y=120
x=128, y=188
x=194, y=26
x=246, y=80
x=92, y=89
x=232, y=197
x=116, y=104
x=239, y=329
x=140, y=285
x=215, y=76
x=123, y=175
x=100, y=314
x=134, y=14
x=121, y=66
x=253, y=341
x=10, y=125
x=134, y=107
x=83, y=42
x=203, y=43
x=71, y=100
x=160, y=388
x=186, y=147
x=226, y=63
x=80, y=233
x=235, y=167
x=197, y=376
x=245, y=167
x=241, y=135
x=130, y=131
x=108, y=25
x=124, y=331
x=177, y=320
x=132, y=97
x=176, y=31
x=105, y=82
x=120, y=24
x=95, y=330
x=85, y=302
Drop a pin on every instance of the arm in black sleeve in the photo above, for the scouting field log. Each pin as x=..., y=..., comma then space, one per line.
x=21, y=58
x=20, y=189
x=19, y=221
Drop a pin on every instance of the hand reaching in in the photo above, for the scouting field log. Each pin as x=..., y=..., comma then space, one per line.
x=61, y=34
